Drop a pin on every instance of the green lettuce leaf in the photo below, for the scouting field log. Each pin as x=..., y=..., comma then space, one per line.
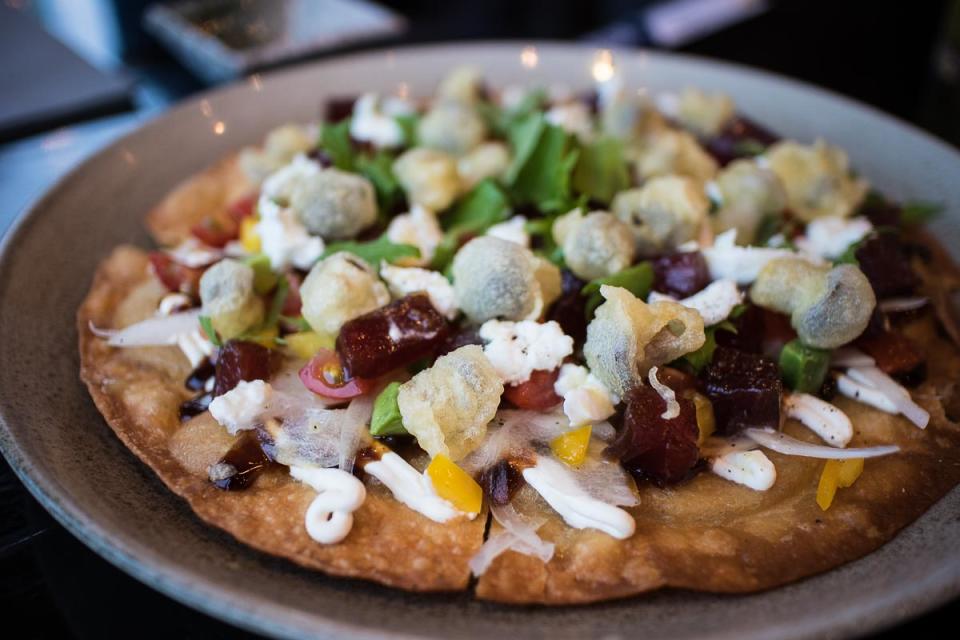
x=374, y=251
x=601, y=170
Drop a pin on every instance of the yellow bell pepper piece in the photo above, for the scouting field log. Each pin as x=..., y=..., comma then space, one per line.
x=306, y=343
x=705, y=419
x=827, y=488
x=249, y=238
x=837, y=474
x=850, y=470
x=264, y=337
x=454, y=484
x=571, y=447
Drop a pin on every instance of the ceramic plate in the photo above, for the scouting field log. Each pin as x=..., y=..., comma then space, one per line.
x=69, y=459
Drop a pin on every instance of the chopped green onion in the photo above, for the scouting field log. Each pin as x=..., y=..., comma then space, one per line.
x=916, y=213
x=208, y=329
x=804, y=368
x=276, y=305
x=264, y=279
x=299, y=322
x=601, y=169
x=335, y=140
x=374, y=251
x=386, y=419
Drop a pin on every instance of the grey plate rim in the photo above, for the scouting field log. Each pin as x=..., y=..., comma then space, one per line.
x=138, y=561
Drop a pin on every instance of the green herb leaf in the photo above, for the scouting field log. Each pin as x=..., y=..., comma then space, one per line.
x=379, y=171
x=500, y=120
x=484, y=206
x=386, y=420
x=297, y=321
x=916, y=213
x=523, y=136
x=700, y=358
x=636, y=279
x=544, y=179
x=601, y=169
x=409, y=124
x=374, y=251
x=335, y=140
x=208, y=329
x=748, y=147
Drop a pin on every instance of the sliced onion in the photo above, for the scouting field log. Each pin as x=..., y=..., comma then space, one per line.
x=717, y=446
x=943, y=304
x=782, y=443
x=673, y=407
x=606, y=480
x=155, y=331
x=898, y=395
x=519, y=534
x=355, y=421
x=849, y=357
x=898, y=305
x=512, y=431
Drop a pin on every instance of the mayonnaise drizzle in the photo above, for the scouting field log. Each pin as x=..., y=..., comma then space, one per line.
x=578, y=509
x=412, y=488
x=329, y=517
x=824, y=419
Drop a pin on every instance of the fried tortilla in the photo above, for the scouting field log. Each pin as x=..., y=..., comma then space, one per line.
x=705, y=534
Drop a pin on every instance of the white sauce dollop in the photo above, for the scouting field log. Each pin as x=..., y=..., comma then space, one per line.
x=329, y=517
x=412, y=488
x=579, y=509
x=752, y=469
x=824, y=419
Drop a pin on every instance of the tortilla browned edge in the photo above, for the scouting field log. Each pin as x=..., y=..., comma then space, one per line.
x=709, y=534
x=207, y=193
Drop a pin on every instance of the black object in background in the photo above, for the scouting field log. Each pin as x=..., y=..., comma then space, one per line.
x=45, y=84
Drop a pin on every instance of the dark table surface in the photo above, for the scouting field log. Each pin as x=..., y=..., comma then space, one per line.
x=51, y=586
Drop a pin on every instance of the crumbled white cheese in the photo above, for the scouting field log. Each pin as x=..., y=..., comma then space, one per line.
x=243, y=406
x=572, y=117
x=824, y=419
x=517, y=349
x=419, y=228
x=370, y=124
x=727, y=261
x=829, y=237
x=715, y=302
x=285, y=241
x=513, y=230
x=193, y=253
x=752, y=469
x=585, y=398
x=280, y=183
x=403, y=281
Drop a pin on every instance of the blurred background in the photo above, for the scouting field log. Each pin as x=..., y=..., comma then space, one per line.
x=78, y=73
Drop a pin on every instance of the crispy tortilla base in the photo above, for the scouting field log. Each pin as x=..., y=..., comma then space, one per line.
x=139, y=392
x=205, y=194
x=707, y=534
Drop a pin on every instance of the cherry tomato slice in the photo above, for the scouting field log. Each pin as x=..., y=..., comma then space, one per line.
x=242, y=208
x=536, y=394
x=214, y=232
x=326, y=377
x=175, y=276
